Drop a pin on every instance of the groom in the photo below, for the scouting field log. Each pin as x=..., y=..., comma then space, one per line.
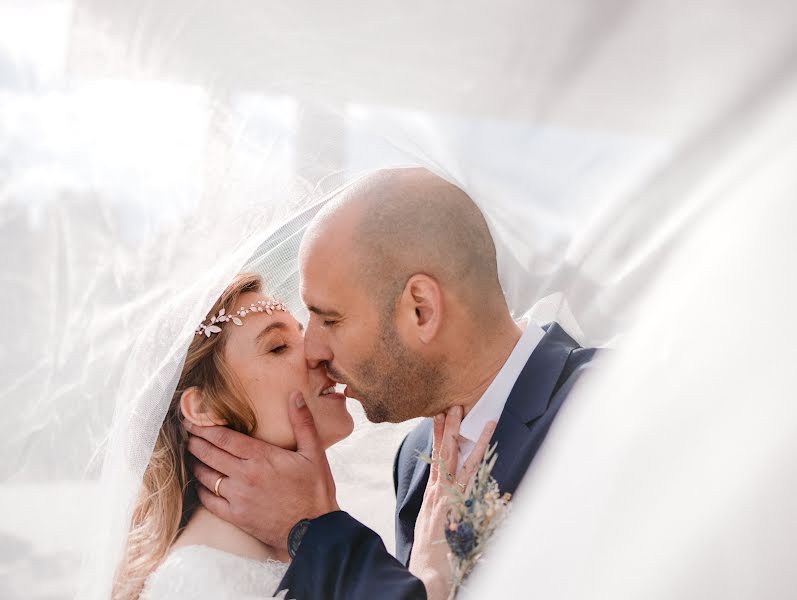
x=399, y=275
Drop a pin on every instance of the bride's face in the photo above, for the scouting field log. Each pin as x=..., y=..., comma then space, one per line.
x=267, y=356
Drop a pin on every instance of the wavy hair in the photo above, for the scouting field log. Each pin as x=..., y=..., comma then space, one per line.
x=168, y=494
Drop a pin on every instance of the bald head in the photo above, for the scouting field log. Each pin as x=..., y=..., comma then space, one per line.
x=395, y=223
x=398, y=272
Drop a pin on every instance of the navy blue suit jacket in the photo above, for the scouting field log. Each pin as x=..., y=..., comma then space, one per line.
x=340, y=558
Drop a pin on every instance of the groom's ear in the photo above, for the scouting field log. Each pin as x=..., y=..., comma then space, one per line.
x=194, y=409
x=421, y=308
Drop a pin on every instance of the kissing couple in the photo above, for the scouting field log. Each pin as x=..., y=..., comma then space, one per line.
x=398, y=272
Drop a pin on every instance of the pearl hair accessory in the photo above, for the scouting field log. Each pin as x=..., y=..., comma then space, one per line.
x=267, y=307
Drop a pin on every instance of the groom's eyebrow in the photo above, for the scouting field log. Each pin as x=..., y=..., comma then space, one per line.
x=324, y=313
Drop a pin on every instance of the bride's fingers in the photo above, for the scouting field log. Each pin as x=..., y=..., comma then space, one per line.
x=477, y=455
x=449, y=449
x=438, y=425
x=213, y=456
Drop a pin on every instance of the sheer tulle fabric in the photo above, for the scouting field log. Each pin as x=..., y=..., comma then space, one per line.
x=632, y=160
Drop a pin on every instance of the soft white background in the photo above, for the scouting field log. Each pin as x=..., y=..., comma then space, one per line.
x=147, y=150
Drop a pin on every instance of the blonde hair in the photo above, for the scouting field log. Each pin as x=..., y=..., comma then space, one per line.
x=168, y=495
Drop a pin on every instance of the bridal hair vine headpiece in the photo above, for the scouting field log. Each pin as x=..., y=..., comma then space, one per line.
x=266, y=306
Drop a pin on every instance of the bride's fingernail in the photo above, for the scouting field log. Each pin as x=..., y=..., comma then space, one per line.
x=438, y=419
x=299, y=400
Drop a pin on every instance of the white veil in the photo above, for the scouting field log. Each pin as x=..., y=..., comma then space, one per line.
x=632, y=160
x=675, y=479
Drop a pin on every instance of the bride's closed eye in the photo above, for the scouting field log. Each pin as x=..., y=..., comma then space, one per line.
x=274, y=346
x=283, y=345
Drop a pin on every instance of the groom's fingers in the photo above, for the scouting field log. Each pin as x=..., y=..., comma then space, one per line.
x=213, y=457
x=308, y=443
x=237, y=444
x=215, y=504
x=204, y=474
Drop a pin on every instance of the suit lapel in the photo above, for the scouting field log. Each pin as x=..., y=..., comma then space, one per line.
x=528, y=400
x=417, y=485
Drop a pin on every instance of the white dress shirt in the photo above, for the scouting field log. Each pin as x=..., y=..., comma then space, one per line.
x=491, y=404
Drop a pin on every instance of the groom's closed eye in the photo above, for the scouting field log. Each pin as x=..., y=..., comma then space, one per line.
x=325, y=314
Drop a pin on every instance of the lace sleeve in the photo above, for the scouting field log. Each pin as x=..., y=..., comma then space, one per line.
x=202, y=573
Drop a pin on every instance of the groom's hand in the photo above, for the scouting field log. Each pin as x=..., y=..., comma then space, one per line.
x=265, y=490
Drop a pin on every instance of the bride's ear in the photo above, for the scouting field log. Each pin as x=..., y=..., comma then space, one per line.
x=194, y=409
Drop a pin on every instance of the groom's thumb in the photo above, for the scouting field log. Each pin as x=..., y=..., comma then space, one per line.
x=307, y=441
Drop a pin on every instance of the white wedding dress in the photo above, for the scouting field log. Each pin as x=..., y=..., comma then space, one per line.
x=204, y=573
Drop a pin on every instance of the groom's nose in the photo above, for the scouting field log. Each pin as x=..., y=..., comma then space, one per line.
x=316, y=349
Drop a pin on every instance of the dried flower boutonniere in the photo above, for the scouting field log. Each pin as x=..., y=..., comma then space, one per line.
x=473, y=517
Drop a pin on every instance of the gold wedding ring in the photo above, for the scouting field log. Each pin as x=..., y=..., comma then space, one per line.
x=216, y=487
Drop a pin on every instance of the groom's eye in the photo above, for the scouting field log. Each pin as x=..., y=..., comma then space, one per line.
x=328, y=323
x=279, y=349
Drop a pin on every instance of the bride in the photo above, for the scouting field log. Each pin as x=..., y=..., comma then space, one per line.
x=241, y=367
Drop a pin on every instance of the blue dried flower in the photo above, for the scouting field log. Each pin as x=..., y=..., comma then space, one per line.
x=461, y=539
x=469, y=504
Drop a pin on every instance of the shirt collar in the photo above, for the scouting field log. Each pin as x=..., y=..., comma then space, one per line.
x=491, y=404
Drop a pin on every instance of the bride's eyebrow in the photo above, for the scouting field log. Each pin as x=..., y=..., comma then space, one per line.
x=277, y=325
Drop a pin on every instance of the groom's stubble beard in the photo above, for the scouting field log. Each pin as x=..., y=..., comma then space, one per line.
x=395, y=384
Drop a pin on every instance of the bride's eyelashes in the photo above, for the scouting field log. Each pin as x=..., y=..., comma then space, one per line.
x=275, y=347
x=282, y=346
x=281, y=343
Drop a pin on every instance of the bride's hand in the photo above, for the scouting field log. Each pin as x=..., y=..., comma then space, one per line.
x=429, y=560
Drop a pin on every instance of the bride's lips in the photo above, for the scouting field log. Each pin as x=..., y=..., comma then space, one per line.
x=330, y=395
